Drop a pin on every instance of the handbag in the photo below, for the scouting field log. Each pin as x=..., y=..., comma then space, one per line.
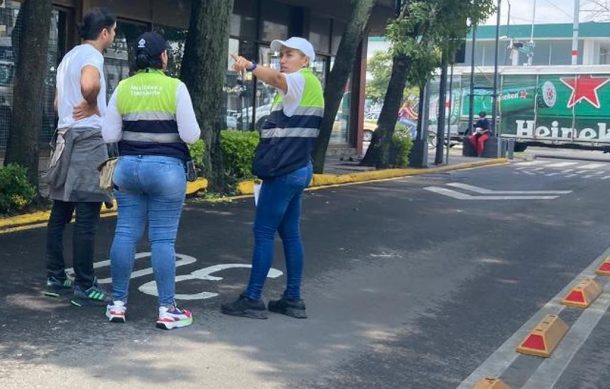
x=106, y=170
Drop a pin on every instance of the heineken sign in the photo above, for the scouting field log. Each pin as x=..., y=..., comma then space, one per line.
x=556, y=107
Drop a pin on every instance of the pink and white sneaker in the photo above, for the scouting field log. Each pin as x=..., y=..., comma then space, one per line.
x=115, y=312
x=174, y=317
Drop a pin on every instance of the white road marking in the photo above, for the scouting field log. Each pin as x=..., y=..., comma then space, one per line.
x=549, y=371
x=538, y=169
x=532, y=163
x=477, y=189
x=571, y=175
x=561, y=164
x=552, y=174
x=592, y=166
x=604, y=177
x=464, y=196
x=567, y=170
x=505, y=355
x=530, y=173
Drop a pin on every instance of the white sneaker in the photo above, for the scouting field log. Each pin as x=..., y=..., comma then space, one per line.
x=174, y=317
x=115, y=312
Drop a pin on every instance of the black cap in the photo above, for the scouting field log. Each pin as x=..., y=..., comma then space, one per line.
x=151, y=44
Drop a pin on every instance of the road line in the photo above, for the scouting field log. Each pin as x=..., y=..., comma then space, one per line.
x=477, y=189
x=592, y=166
x=571, y=175
x=505, y=355
x=548, y=372
x=552, y=174
x=532, y=163
x=464, y=196
x=567, y=170
x=604, y=177
x=561, y=164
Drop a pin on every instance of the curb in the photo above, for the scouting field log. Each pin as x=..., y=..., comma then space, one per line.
x=245, y=188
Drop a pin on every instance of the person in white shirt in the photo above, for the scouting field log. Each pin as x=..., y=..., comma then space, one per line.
x=151, y=117
x=72, y=177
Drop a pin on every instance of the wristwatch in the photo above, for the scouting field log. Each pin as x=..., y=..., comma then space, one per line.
x=252, y=67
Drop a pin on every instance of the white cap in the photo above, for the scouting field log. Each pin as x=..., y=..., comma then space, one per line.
x=301, y=44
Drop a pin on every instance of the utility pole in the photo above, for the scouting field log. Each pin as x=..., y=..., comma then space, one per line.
x=442, y=107
x=575, y=32
x=471, y=96
x=494, y=109
x=530, y=53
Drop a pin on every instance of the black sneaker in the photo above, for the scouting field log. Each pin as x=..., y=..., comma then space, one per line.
x=245, y=307
x=292, y=308
x=56, y=287
x=94, y=296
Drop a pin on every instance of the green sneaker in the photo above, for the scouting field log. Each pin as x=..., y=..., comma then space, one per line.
x=94, y=296
x=57, y=288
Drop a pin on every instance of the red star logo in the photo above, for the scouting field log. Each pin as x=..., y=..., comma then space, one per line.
x=584, y=88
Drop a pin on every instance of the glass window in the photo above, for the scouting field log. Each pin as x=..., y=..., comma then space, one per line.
x=119, y=58
x=243, y=19
x=10, y=31
x=319, y=33
x=319, y=68
x=276, y=17
x=338, y=27
x=176, y=38
x=340, y=131
x=238, y=90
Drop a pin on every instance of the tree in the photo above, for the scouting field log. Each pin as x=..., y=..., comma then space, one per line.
x=337, y=79
x=418, y=34
x=379, y=66
x=30, y=73
x=598, y=10
x=203, y=72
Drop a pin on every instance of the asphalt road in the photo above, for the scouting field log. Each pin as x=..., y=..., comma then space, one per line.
x=406, y=286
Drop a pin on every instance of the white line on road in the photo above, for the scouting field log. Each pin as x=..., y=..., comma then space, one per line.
x=571, y=175
x=552, y=174
x=505, y=355
x=592, y=166
x=567, y=170
x=549, y=371
x=604, y=177
x=532, y=163
x=464, y=196
x=561, y=164
x=477, y=189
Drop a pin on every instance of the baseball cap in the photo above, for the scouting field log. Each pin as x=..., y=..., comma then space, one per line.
x=301, y=44
x=152, y=44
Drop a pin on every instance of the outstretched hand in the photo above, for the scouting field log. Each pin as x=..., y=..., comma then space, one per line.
x=84, y=110
x=241, y=64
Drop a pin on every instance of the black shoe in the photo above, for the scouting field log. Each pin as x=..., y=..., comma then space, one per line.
x=94, y=296
x=244, y=307
x=292, y=308
x=56, y=287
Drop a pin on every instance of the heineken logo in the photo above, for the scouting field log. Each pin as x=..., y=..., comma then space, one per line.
x=522, y=94
x=528, y=129
x=584, y=87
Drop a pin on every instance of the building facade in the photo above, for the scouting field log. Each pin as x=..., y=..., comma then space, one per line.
x=253, y=25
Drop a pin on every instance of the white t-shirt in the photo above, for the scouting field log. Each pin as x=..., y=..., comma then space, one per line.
x=69, y=92
x=294, y=92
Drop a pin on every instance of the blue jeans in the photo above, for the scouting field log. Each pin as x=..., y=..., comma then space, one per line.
x=149, y=189
x=279, y=209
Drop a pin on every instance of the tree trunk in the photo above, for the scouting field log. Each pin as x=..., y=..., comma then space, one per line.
x=379, y=149
x=30, y=72
x=203, y=72
x=342, y=68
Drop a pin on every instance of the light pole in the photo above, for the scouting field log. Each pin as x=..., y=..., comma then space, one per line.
x=471, y=95
x=494, y=109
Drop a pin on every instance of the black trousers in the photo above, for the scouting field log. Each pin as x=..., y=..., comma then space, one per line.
x=83, y=241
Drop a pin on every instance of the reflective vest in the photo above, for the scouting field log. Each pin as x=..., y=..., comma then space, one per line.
x=147, y=104
x=287, y=143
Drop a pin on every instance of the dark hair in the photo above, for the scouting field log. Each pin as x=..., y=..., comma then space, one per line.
x=482, y=114
x=94, y=22
x=143, y=61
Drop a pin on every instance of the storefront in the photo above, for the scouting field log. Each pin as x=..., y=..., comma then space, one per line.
x=254, y=24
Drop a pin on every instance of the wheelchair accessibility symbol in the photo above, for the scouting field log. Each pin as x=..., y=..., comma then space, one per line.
x=205, y=274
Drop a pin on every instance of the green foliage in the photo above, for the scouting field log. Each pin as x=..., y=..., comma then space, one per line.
x=380, y=67
x=238, y=153
x=425, y=27
x=197, y=151
x=16, y=192
x=401, y=146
